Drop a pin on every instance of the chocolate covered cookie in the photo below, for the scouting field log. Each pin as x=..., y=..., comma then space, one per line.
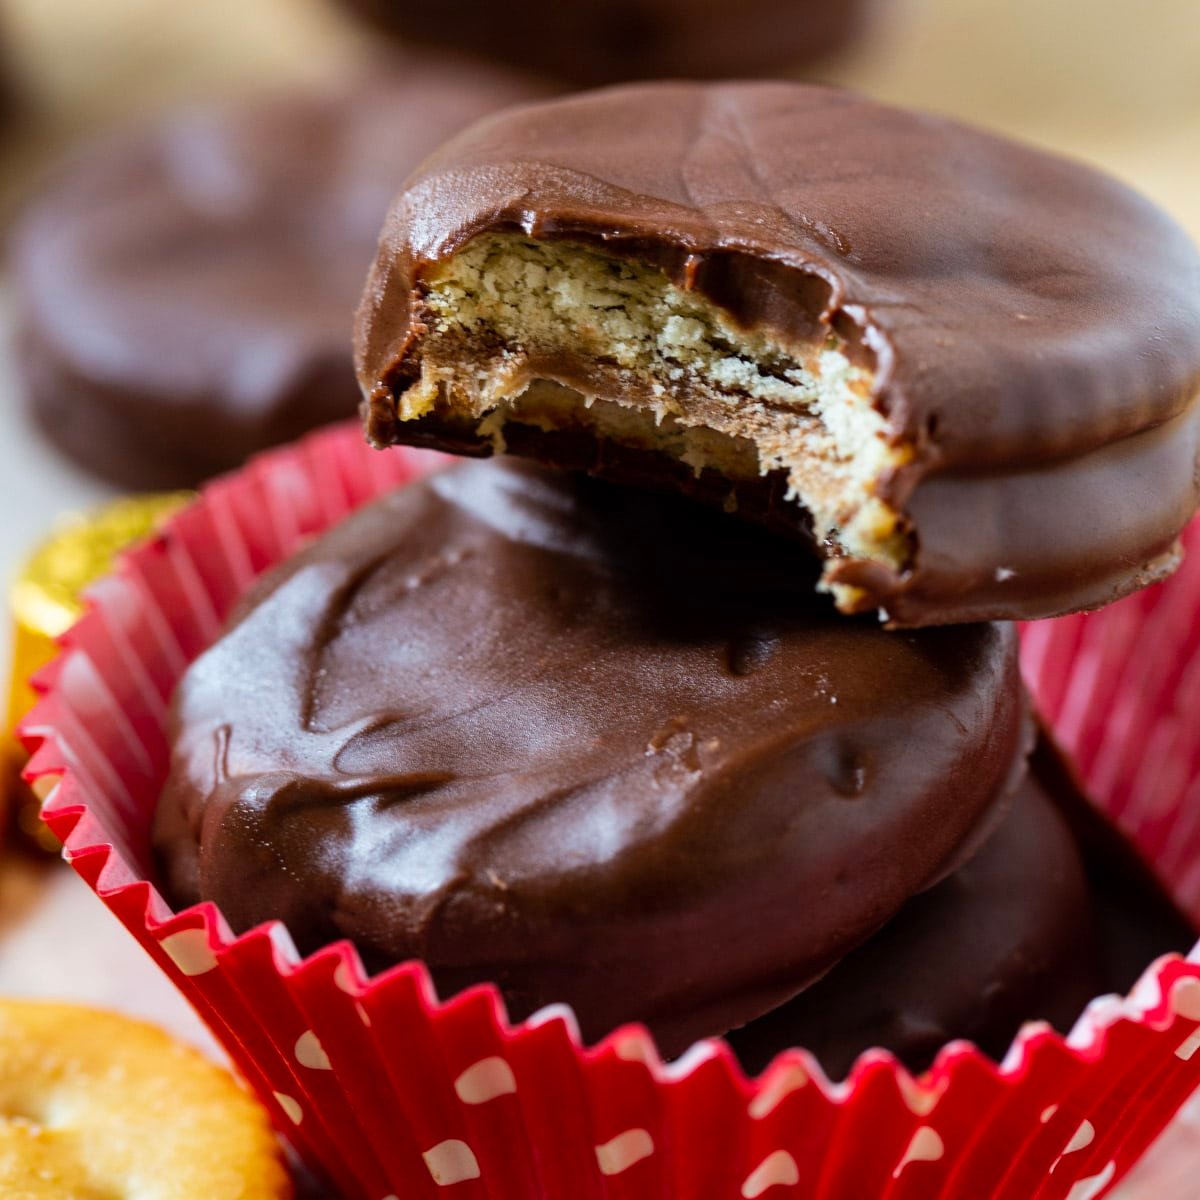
x=1009, y=937
x=966, y=370
x=1054, y=910
x=186, y=288
x=604, y=41
x=594, y=745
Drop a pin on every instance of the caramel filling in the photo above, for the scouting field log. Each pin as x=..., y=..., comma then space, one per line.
x=560, y=335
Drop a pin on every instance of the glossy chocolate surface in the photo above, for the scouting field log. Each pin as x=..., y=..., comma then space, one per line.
x=595, y=745
x=186, y=288
x=1033, y=325
x=1006, y=939
x=1054, y=910
x=590, y=42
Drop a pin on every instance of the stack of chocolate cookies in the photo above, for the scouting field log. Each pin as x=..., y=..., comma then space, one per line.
x=699, y=705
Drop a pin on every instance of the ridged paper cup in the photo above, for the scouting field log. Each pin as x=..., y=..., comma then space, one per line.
x=391, y=1093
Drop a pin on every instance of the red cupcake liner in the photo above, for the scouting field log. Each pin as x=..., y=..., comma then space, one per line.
x=392, y=1093
x=1122, y=690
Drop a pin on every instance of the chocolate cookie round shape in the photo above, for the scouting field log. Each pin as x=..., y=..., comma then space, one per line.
x=187, y=287
x=590, y=42
x=597, y=746
x=967, y=370
x=1008, y=938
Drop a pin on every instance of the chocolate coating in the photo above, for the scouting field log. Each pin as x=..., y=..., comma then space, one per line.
x=595, y=745
x=590, y=42
x=1054, y=910
x=1033, y=326
x=1008, y=938
x=187, y=287
x=1136, y=918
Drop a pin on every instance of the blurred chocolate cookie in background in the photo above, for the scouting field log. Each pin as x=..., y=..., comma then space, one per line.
x=590, y=42
x=185, y=287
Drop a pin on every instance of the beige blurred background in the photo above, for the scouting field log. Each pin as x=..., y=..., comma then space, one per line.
x=1110, y=81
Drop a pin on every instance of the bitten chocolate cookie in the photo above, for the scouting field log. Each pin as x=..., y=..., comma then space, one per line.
x=594, y=745
x=966, y=369
x=604, y=41
x=186, y=289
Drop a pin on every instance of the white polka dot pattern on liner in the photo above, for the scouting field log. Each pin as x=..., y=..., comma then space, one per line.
x=776, y=1169
x=1084, y=1136
x=621, y=1152
x=290, y=1106
x=189, y=950
x=1188, y=1047
x=451, y=1162
x=634, y=1047
x=310, y=1053
x=781, y=1084
x=1185, y=1000
x=1090, y=1188
x=926, y=1145
x=343, y=980
x=487, y=1079
x=920, y=1100
x=1185, y=997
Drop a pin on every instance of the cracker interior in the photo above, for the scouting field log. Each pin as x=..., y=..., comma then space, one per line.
x=561, y=335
